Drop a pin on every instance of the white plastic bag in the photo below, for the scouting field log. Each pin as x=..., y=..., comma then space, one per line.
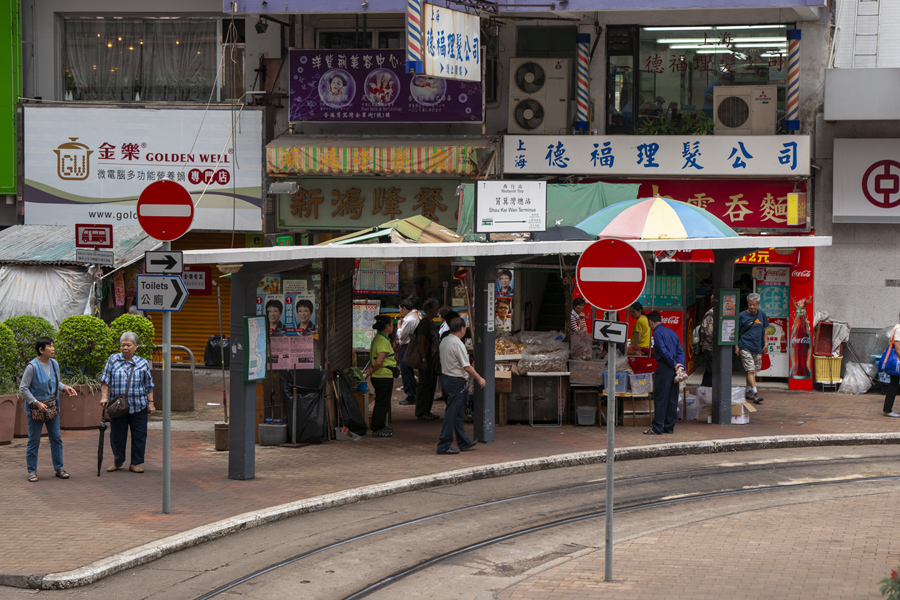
x=855, y=380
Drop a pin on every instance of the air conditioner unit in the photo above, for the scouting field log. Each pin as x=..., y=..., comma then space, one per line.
x=538, y=95
x=745, y=109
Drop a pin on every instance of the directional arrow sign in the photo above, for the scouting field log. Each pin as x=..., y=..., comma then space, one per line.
x=166, y=262
x=165, y=293
x=610, y=331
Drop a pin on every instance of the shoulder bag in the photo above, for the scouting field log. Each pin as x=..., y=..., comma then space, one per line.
x=51, y=404
x=118, y=406
x=413, y=359
x=889, y=363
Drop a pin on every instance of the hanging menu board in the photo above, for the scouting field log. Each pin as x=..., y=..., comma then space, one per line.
x=364, y=313
x=666, y=292
x=373, y=277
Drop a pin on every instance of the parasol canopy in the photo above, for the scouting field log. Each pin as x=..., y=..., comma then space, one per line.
x=654, y=219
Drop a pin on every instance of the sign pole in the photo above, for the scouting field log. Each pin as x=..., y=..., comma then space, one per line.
x=611, y=413
x=167, y=405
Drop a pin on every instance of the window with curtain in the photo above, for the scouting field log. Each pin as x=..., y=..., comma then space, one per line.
x=141, y=60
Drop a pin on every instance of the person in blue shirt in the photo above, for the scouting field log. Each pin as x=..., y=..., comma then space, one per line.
x=670, y=356
x=752, y=324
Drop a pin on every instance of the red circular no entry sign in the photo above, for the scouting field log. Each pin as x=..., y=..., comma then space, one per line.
x=165, y=210
x=611, y=274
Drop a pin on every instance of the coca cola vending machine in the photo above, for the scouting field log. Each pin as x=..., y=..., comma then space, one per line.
x=772, y=284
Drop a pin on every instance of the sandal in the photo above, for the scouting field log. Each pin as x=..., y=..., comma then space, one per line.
x=651, y=432
x=891, y=414
x=428, y=417
x=32, y=477
x=61, y=473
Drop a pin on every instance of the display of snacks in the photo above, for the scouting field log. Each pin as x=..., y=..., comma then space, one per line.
x=505, y=346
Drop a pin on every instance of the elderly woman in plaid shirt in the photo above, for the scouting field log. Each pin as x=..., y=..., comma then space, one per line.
x=140, y=402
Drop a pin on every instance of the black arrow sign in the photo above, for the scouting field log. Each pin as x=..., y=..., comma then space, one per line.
x=179, y=292
x=170, y=261
x=609, y=331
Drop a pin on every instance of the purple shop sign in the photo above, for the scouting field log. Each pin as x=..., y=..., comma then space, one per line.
x=371, y=86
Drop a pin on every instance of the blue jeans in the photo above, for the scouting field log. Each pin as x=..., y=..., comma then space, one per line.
x=665, y=399
x=34, y=442
x=118, y=436
x=453, y=417
x=408, y=375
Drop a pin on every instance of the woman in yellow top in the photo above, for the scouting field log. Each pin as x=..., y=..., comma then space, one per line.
x=640, y=332
x=383, y=369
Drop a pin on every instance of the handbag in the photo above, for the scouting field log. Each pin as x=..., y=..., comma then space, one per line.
x=889, y=362
x=412, y=358
x=51, y=404
x=118, y=406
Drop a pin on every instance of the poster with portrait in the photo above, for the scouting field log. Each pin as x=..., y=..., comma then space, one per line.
x=503, y=288
x=299, y=307
x=502, y=314
x=273, y=309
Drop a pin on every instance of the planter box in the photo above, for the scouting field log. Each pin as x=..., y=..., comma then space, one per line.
x=82, y=411
x=8, y=404
x=182, y=389
x=21, y=421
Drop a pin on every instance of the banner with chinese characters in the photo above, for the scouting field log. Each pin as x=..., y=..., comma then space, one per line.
x=284, y=157
x=90, y=165
x=658, y=155
x=332, y=203
x=371, y=86
x=747, y=204
x=452, y=43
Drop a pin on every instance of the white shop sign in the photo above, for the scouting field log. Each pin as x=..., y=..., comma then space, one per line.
x=506, y=206
x=732, y=156
x=866, y=181
x=452, y=44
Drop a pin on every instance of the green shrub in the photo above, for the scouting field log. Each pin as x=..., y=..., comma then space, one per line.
x=141, y=326
x=26, y=329
x=9, y=378
x=83, y=344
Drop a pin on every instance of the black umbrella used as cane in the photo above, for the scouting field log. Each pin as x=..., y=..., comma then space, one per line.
x=100, y=449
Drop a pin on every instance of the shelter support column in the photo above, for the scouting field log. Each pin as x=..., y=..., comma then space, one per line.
x=723, y=277
x=485, y=277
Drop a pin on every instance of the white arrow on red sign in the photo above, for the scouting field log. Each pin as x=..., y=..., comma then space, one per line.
x=165, y=210
x=611, y=274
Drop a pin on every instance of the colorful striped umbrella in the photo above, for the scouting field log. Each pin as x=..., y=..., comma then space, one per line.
x=654, y=219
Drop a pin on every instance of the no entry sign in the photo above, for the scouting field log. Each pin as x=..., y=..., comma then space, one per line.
x=611, y=274
x=165, y=210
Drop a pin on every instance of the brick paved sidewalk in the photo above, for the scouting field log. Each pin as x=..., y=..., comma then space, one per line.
x=95, y=517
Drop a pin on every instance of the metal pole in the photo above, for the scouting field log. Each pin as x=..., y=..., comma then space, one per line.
x=167, y=404
x=222, y=348
x=610, y=450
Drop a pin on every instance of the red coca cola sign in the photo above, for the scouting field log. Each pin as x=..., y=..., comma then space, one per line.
x=801, y=275
x=672, y=321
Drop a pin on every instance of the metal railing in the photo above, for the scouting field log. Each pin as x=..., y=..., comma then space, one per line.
x=158, y=355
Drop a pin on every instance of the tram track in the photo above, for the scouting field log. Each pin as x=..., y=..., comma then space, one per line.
x=638, y=500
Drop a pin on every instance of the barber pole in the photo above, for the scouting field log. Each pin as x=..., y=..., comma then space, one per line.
x=792, y=117
x=582, y=85
x=414, y=60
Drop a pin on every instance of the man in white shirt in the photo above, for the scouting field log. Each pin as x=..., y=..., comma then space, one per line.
x=455, y=367
x=408, y=323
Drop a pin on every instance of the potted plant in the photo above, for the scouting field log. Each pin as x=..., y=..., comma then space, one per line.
x=83, y=344
x=9, y=399
x=18, y=350
x=141, y=326
x=680, y=124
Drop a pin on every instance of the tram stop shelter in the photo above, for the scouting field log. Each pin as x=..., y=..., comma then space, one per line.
x=248, y=265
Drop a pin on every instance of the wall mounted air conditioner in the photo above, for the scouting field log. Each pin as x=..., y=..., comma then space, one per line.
x=538, y=95
x=745, y=109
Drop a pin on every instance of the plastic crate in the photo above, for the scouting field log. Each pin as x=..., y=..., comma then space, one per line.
x=828, y=369
x=641, y=383
x=642, y=364
x=585, y=372
x=621, y=381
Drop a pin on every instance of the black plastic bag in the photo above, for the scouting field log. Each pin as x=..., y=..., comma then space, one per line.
x=212, y=355
x=348, y=409
x=311, y=418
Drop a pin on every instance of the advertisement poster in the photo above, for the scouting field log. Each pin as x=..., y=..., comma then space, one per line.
x=299, y=308
x=292, y=352
x=364, y=313
x=503, y=301
x=90, y=164
x=368, y=85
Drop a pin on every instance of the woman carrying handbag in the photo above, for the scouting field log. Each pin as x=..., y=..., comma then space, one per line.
x=890, y=364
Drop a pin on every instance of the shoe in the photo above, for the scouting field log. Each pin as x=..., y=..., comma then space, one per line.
x=136, y=468
x=428, y=417
x=757, y=399
x=448, y=451
x=748, y=395
x=113, y=467
x=61, y=473
x=407, y=403
x=891, y=414
x=651, y=432
x=468, y=447
x=669, y=432
x=32, y=477
x=383, y=433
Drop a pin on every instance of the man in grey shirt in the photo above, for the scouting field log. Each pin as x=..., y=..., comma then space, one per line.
x=455, y=367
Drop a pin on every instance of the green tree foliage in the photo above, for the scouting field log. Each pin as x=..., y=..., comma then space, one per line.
x=82, y=346
x=9, y=380
x=26, y=329
x=141, y=326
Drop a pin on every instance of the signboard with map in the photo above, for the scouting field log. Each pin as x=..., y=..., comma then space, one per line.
x=254, y=348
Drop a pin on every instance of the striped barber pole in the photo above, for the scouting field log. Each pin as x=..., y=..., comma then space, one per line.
x=582, y=85
x=792, y=117
x=414, y=59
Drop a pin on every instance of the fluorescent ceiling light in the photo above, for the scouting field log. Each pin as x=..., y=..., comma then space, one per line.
x=710, y=27
x=717, y=42
x=781, y=44
x=720, y=46
x=722, y=51
x=676, y=28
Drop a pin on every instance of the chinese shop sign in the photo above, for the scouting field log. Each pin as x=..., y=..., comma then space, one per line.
x=90, y=165
x=683, y=156
x=371, y=86
x=330, y=203
x=452, y=43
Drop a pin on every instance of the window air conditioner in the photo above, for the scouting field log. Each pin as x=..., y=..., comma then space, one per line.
x=538, y=95
x=745, y=109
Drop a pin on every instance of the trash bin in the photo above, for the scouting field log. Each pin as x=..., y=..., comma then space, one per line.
x=212, y=355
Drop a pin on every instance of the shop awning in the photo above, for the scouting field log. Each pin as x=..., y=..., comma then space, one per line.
x=416, y=229
x=304, y=155
x=55, y=245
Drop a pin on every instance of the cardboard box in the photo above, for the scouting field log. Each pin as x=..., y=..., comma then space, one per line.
x=688, y=407
x=503, y=381
x=740, y=413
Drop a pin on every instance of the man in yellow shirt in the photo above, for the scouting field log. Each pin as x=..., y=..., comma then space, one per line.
x=640, y=332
